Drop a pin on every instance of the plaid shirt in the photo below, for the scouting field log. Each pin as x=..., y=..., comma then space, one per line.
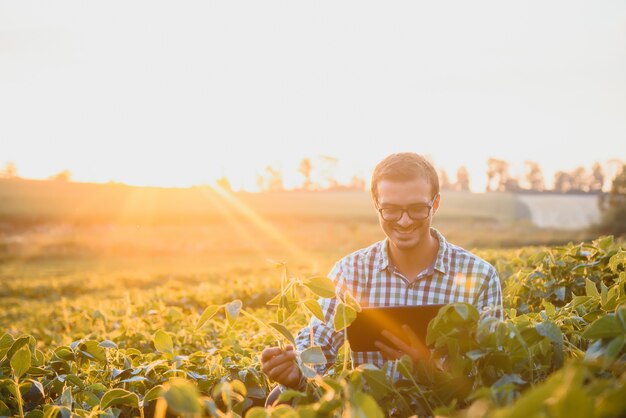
x=456, y=276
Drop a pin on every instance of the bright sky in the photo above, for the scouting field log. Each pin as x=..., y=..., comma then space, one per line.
x=180, y=93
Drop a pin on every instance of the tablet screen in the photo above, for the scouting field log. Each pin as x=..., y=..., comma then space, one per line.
x=370, y=322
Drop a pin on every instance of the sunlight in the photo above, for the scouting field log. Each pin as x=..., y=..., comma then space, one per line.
x=222, y=207
x=266, y=227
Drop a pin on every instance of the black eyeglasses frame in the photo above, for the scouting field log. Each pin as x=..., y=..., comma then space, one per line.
x=404, y=209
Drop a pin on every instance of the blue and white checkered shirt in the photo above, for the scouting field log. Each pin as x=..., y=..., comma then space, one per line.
x=456, y=276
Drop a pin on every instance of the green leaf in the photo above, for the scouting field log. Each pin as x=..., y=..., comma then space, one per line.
x=613, y=349
x=284, y=331
x=617, y=260
x=6, y=341
x=4, y=410
x=462, y=310
x=573, y=402
x=94, y=350
x=88, y=398
x=134, y=379
x=550, y=309
x=321, y=286
x=284, y=411
x=17, y=344
x=476, y=354
x=312, y=306
x=35, y=413
x=108, y=344
x=307, y=371
x=533, y=402
x=38, y=386
x=232, y=311
x=604, y=293
x=366, y=407
x=591, y=289
x=313, y=355
x=352, y=302
x=257, y=412
x=182, y=397
x=20, y=362
x=288, y=304
x=607, y=326
x=208, y=313
x=344, y=316
x=118, y=397
x=163, y=342
x=605, y=242
x=620, y=314
x=153, y=394
x=377, y=380
x=66, y=398
x=289, y=395
x=239, y=387
x=274, y=301
x=551, y=331
x=51, y=411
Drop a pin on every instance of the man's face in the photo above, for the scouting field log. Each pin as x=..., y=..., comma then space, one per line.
x=406, y=233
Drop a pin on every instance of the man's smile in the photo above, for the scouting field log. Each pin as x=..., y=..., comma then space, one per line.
x=405, y=230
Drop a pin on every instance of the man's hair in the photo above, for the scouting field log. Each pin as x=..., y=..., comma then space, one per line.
x=404, y=166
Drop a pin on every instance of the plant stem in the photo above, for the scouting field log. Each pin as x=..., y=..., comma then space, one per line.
x=417, y=388
x=18, y=395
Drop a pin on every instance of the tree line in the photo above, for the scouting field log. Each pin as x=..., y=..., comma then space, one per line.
x=579, y=180
x=499, y=178
x=320, y=175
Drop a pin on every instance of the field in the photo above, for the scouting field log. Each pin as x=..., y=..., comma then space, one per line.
x=127, y=302
x=562, y=211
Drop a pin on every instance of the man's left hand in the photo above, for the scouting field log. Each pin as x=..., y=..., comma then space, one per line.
x=396, y=347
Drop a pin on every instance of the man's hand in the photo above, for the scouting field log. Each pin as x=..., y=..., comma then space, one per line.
x=280, y=366
x=415, y=349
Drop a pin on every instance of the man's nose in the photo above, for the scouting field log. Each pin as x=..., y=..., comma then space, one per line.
x=405, y=220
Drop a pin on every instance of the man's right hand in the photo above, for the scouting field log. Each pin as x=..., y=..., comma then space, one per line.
x=280, y=366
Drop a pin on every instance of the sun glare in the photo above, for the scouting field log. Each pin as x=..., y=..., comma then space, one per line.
x=230, y=202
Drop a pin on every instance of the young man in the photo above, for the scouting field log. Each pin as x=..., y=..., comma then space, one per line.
x=414, y=265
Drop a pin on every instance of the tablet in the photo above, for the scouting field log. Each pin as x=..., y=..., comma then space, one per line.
x=370, y=322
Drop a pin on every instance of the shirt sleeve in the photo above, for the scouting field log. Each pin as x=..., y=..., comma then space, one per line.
x=323, y=334
x=489, y=301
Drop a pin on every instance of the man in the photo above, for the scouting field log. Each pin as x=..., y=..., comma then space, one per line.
x=414, y=265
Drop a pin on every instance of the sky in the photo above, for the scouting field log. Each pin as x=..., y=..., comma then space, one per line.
x=181, y=93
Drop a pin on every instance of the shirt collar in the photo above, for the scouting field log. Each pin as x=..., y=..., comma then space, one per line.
x=440, y=261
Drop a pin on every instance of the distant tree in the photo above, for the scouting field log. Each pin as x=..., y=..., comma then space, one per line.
x=562, y=182
x=65, y=175
x=274, y=179
x=534, y=177
x=613, y=168
x=512, y=185
x=329, y=166
x=497, y=174
x=9, y=171
x=224, y=183
x=444, y=180
x=614, y=207
x=462, y=179
x=579, y=180
x=261, y=183
x=357, y=183
x=305, y=169
x=597, y=178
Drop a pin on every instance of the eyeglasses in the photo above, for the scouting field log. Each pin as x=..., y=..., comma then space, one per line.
x=417, y=212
